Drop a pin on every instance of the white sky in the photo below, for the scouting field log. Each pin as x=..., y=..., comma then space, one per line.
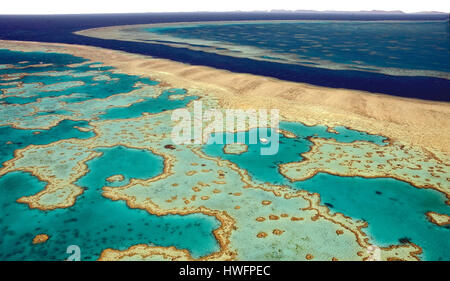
x=142, y=6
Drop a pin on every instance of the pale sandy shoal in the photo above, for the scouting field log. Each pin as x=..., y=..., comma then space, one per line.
x=412, y=121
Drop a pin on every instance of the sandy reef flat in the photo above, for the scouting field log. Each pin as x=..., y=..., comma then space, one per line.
x=258, y=220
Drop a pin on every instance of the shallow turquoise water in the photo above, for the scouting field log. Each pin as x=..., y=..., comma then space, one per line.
x=59, y=81
x=30, y=58
x=394, y=210
x=266, y=168
x=150, y=105
x=344, y=134
x=22, y=138
x=402, y=44
x=60, y=72
x=95, y=222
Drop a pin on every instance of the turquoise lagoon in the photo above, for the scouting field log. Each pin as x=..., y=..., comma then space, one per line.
x=95, y=223
x=290, y=148
x=71, y=79
x=394, y=210
x=12, y=138
x=65, y=75
x=150, y=105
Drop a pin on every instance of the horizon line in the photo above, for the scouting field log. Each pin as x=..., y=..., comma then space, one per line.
x=367, y=12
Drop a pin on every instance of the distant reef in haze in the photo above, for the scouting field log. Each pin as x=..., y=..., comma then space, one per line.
x=380, y=12
x=355, y=12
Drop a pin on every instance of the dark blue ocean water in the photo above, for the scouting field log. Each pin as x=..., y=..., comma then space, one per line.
x=60, y=28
